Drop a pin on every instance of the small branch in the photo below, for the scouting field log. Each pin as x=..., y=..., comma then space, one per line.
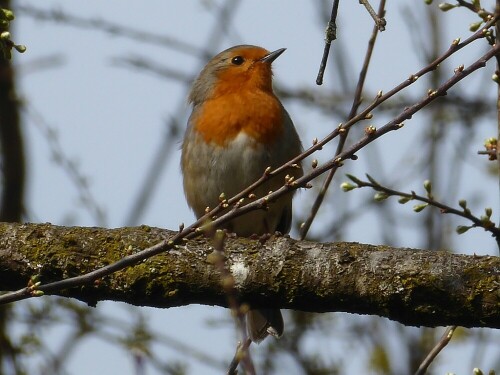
x=241, y=350
x=12, y=154
x=380, y=22
x=492, y=154
x=445, y=339
x=467, y=5
x=304, y=228
x=330, y=36
x=218, y=258
x=105, y=26
x=146, y=65
x=483, y=222
x=68, y=165
x=476, y=8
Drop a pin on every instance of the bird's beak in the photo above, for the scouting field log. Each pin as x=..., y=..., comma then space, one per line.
x=271, y=56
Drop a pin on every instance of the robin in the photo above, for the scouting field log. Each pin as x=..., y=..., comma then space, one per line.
x=237, y=129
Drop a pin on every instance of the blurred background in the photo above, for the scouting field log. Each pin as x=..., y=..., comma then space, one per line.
x=101, y=95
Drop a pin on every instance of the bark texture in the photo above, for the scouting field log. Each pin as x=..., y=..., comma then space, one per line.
x=414, y=287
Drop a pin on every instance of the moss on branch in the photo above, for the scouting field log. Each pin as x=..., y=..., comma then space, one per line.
x=414, y=287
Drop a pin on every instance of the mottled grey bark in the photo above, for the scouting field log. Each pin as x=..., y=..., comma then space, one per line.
x=414, y=287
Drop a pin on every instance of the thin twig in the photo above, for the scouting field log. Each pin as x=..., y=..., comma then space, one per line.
x=140, y=203
x=330, y=36
x=465, y=212
x=241, y=351
x=491, y=153
x=440, y=345
x=380, y=21
x=304, y=228
x=228, y=283
x=70, y=166
x=148, y=66
x=468, y=5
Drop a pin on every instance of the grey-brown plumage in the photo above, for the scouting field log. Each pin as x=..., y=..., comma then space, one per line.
x=237, y=129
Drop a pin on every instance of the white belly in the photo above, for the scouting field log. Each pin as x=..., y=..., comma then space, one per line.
x=229, y=170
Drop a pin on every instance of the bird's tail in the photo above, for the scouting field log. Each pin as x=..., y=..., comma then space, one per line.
x=261, y=323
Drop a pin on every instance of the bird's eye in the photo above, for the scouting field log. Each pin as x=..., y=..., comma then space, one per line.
x=237, y=60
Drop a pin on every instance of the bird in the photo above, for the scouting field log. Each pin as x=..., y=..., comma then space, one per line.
x=238, y=127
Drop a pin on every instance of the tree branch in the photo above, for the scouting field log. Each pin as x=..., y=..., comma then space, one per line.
x=414, y=287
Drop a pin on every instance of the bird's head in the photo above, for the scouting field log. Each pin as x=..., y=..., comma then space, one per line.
x=237, y=68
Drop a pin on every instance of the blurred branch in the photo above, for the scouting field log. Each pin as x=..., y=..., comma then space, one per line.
x=414, y=287
x=11, y=142
x=223, y=19
x=108, y=27
x=68, y=165
x=41, y=64
x=497, y=36
x=12, y=174
x=144, y=65
x=441, y=344
x=150, y=180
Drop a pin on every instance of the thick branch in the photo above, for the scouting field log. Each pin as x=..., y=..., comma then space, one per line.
x=11, y=143
x=414, y=287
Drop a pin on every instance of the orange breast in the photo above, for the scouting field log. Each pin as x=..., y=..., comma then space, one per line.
x=257, y=113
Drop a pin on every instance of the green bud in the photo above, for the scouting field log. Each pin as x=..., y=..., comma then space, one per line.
x=380, y=196
x=476, y=3
x=419, y=207
x=475, y=26
x=446, y=6
x=20, y=48
x=488, y=211
x=495, y=78
x=483, y=13
x=356, y=180
x=461, y=229
x=485, y=220
x=462, y=203
x=428, y=186
x=404, y=200
x=5, y=35
x=477, y=371
x=346, y=186
x=7, y=14
x=492, y=141
x=428, y=2
x=220, y=235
